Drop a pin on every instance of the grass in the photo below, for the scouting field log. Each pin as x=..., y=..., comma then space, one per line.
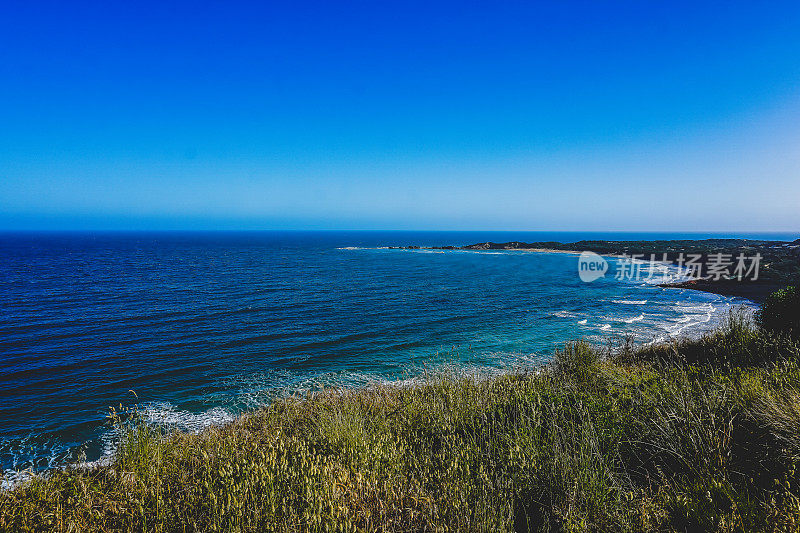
x=693, y=435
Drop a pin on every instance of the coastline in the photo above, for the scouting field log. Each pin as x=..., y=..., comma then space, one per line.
x=427, y=456
x=755, y=292
x=524, y=341
x=779, y=260
x=482, y=374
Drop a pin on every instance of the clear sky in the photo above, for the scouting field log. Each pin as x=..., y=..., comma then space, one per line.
x=496, y=115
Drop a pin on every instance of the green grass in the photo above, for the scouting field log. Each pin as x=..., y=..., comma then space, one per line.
x=695, y=435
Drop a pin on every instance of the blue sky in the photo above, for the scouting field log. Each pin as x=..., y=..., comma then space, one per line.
x=638, y=116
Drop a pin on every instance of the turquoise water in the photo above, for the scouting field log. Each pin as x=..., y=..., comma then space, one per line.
x=204, y=325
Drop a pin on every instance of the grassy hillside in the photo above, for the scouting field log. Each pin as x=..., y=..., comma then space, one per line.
x=701, y=435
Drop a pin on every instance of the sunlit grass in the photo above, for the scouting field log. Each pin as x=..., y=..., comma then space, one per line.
x=694, y=435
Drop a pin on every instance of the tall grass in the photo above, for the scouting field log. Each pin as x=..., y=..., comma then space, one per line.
x=695, y=435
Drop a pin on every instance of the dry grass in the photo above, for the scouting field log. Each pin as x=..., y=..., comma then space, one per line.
x=675, y=437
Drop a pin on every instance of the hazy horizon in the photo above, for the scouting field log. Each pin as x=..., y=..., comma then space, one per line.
x=520, y=117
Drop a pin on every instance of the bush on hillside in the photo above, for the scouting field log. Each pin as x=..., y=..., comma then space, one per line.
x=781, y=312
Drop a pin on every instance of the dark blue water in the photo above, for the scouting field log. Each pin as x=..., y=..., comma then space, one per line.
x=203, y=325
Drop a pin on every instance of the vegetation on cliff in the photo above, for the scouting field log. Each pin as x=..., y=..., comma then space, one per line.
x=692, y=435
x=781, y=312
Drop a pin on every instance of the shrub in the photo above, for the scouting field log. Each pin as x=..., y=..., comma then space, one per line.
x=781, y=311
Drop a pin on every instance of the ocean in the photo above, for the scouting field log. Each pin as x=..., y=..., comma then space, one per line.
x=196, y=327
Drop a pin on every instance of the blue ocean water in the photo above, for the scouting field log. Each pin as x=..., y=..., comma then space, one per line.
x=204, y=325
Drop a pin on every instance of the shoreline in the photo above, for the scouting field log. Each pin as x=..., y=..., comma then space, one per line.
x=756, y=292
x=351, y=455
x=419, y=380
x=779, y=261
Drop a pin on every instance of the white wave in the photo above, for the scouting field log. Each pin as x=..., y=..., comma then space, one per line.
x=654, y=271
x=11, y=479
x=692, y=308
x=629, y=302
x=29, y=454
x=167, y=415
x=632, y=320
x=582, y=322
x=692, y=317
x=564, y=314
x=605, y=327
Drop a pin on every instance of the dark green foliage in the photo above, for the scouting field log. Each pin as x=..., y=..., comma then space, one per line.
x=781, y=312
